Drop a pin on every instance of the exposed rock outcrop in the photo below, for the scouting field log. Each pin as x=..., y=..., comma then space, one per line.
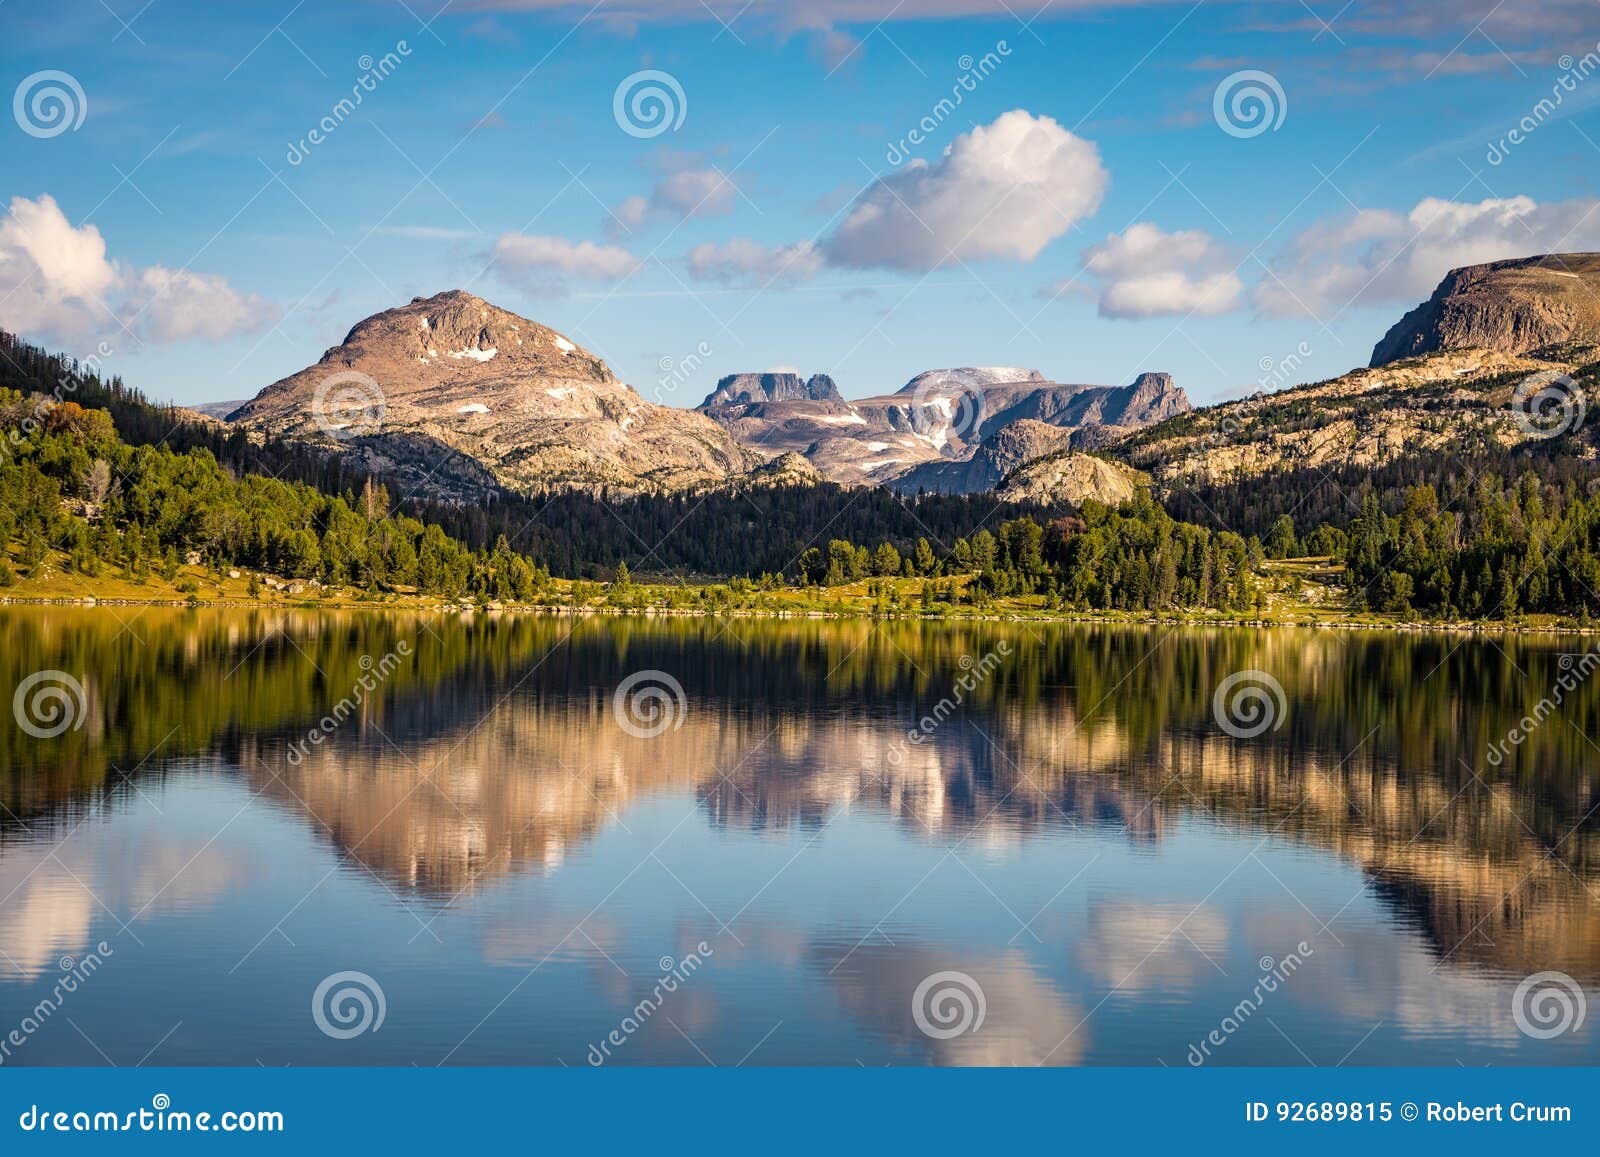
x=739, y=389
x=1514, y=307
x=996, y=456
x=1073, y=479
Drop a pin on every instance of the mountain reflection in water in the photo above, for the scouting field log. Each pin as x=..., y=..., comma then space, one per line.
x=1078, y=836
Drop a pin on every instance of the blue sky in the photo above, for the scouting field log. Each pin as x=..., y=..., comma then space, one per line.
x=1084, y=210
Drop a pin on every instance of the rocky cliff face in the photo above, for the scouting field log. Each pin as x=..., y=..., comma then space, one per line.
x=941, y=430
x=741, y=389
x=1513, y=307
x=454, y=395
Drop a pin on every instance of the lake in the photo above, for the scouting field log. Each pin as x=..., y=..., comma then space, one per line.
x=316, y=838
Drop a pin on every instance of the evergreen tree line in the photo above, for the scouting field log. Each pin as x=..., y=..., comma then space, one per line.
x=1526, y=546
x=69, y=483
x=1135, y=558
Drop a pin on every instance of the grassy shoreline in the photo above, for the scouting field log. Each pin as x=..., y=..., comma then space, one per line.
x=1288, y=604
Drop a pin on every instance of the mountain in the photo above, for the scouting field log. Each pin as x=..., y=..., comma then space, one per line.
x=455, y=395
x=1483, y=400
x=932, y=431
x=217, y=410
x=739, y=389
x=1515, y=307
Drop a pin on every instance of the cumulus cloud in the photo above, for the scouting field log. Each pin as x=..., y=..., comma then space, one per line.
x=743, y=260
x=677, y=196
x=1145, y=272
x=177, y=305
x=529, y=258
x=1381, y=256
x=1004, y=190
x=57, y=283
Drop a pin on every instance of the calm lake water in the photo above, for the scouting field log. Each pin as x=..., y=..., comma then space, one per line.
x=1077, y=859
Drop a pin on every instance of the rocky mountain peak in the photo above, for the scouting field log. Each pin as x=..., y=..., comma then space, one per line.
x=970, y=377
x=1514, y=307
x=458, y=331
x=772, y=386
x=453, y=377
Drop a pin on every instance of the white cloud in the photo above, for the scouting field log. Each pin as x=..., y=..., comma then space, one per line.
x=1145, y=272
x=1004, y=190
x=176, y=305
x=56, y=283
x=677, y=196
x=522, y=256
x=1378, y=255
x=744, y=260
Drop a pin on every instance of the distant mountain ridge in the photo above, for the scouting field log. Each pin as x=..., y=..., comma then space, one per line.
x=772, y=386
x=944, y=429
